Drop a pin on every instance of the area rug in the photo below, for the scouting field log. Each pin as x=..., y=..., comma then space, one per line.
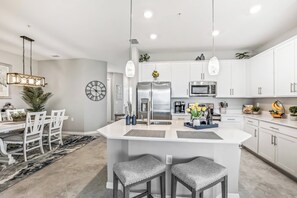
x=11, y=174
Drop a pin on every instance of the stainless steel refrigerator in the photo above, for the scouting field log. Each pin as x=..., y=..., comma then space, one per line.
x=159, y=96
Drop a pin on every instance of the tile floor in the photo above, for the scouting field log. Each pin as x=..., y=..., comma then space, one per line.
x=82, y=174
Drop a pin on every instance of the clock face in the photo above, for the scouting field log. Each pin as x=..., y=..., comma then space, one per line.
x=95, y=90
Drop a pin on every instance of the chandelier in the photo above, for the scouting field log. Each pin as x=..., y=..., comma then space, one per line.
x=23, y=79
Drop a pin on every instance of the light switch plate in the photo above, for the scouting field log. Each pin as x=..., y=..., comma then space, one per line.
x=168, y=159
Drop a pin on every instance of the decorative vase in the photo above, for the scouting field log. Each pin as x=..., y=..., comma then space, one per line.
x=293, y=117
x=256, y=112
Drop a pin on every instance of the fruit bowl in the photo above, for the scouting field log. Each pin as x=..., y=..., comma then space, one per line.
x=278, y=109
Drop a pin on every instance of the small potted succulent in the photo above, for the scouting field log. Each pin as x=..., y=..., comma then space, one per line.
x=293, y=111
x=256, y=110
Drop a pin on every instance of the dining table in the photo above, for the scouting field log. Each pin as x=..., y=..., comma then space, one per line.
x=7, y=127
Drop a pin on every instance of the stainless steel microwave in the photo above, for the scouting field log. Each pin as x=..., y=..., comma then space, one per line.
x=203, y=88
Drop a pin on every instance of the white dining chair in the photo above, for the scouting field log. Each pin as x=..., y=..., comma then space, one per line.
x=54, y=131
x=32, y=136
x=9, y=112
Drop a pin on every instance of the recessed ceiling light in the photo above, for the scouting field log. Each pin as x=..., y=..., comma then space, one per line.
x=153, y=36
x=55, y=56
x=215, y=33
x=255, y=9
x=148, y=14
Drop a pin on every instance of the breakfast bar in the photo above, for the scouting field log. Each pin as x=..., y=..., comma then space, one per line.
x=174, y=143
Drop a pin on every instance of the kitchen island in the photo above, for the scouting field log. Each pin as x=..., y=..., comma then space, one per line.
x=222, y=144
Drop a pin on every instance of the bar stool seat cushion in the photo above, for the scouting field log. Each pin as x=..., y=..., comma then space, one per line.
x=138, y=170
x=199, y=172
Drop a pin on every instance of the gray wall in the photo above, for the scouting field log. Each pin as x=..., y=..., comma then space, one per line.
x=16, y=66
x=67, y=80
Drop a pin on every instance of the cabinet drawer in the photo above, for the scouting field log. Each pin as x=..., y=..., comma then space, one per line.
x=279, y=129
x=181, y=117
x=251, y=122
x=232, y=118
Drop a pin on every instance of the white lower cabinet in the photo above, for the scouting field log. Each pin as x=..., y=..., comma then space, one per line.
x=252, y=143
x=266, y=145
x=278, y=148
x=286, y=153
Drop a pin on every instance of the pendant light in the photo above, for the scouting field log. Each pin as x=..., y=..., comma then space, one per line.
x=23, y=79
x=130, y=66
x=213, y=64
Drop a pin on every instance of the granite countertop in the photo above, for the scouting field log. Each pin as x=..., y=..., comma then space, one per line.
x=119, y=129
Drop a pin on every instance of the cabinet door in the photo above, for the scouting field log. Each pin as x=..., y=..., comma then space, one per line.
x=286, y=155
x=196, y=71
x=284, y=69
x=265, y=66
x=251, y=143
x=266, y=146
x=238, y=78
x=206, y=76
x=145, y=72
x=254, y=76
x=164, y=70
x=224, y=79
x=180, y=80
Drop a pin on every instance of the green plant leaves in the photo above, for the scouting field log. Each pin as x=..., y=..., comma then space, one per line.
x=35, y=98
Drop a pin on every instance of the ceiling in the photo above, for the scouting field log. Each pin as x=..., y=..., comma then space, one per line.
x=99, y=29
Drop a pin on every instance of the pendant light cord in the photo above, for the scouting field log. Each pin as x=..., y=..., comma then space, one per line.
x=213, y=27
x=31, y=58
x=23, y=55
x=130, y=47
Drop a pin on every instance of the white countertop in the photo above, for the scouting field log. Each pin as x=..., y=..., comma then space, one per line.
x=118, y=129
x=268, y=118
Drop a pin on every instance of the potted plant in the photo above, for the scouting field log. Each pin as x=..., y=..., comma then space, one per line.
x=293, y=111
x=256, y=110
x=35, y=98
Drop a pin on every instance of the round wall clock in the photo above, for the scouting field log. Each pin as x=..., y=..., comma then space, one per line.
x=95, y=90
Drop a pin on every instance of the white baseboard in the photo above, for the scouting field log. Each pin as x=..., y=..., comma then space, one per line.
x=109, y=185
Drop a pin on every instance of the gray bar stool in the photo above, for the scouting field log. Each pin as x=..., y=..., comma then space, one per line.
x=199, y=175
x=141, y=170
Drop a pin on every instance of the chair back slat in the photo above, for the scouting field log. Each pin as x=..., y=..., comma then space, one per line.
x=34, y=123
x=9, y=112
x=57, y=118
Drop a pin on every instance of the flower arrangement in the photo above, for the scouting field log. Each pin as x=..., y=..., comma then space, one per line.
x=195, y=110
x=18, y=116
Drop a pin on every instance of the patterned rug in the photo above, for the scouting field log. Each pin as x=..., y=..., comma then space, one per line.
x=11, y=174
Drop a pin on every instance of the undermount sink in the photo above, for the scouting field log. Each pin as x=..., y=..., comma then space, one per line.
x=155, y=122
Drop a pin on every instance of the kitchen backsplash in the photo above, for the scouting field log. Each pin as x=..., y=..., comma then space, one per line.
x=233, y=104
x=265, y=103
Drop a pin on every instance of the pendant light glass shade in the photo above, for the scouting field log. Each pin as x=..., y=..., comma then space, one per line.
x=130, y=69
x=213, y=66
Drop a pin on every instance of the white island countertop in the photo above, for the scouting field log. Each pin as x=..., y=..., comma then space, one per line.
x=117, y=131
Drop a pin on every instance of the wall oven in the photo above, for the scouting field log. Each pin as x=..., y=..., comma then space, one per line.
x=203, y=88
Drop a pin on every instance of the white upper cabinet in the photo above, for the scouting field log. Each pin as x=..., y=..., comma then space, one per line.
x=146, y=70
x=232, y=79
x=261, y=75
x=180, y=80
x=199, y=72
x=285, y=68
x=196, y=71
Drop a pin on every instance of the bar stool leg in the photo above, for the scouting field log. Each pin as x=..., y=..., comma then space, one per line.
x=193, y=193
x=162, y=184
x=126, y=191
x=115, y=185
x=149, y=189
x=201, y=194
x=173, y=186
x=224, y=184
